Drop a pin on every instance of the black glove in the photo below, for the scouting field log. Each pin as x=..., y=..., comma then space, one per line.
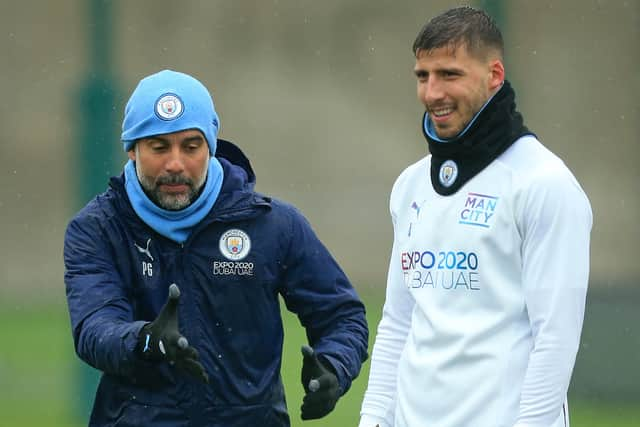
x=161, y=340
x=320, y=385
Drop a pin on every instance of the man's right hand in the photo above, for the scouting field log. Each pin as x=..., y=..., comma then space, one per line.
x=320, y=385
x=161, y=340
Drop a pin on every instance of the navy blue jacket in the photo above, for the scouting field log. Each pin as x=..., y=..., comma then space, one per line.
x=118, y=271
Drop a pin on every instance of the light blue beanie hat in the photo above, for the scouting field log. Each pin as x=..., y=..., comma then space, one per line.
x=168, y=102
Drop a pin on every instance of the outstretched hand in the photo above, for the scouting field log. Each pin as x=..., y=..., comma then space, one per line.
x=320, y=385
x=161, y=340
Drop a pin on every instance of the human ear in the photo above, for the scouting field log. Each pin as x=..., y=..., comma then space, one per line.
x=496, y=74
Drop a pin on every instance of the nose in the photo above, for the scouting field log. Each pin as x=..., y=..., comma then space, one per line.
x=175, y=162
x=433, y=90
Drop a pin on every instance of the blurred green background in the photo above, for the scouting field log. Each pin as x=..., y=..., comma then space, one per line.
x=321, y=97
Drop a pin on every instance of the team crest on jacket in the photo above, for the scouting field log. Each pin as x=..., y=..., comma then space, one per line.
x=235, y=244
x=448, y=173
x=169, y=107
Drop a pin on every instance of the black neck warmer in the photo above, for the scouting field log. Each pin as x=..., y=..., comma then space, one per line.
x=497, y=127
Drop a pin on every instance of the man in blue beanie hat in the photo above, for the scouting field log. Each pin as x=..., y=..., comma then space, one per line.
x=173, y=278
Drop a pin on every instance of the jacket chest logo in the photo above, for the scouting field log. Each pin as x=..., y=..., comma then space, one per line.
x=147, y=267
x=234, y=244
x=144, y=250
x=416, y=207
x=478, y=210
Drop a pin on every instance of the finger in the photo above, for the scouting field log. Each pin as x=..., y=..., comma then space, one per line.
x=174, y=297
x=188, y=353
x=314, y=407
x=314, y=385
x=172, y=345
x=193, y=368
x=310, y=358
x=318, y=401
x=313, y=399
x=174, y=291
x=307, y=351
x=324, y=382
x=169, y=312
x=310, y=413
x=183, y=343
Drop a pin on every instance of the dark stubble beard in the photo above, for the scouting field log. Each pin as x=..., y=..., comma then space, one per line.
x=170, y=202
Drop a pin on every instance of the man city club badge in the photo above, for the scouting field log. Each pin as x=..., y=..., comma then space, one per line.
x=448, y=173
x=235, y=244
x=169, y=107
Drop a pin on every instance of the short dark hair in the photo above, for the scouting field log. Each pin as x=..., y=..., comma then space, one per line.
x=461, y=26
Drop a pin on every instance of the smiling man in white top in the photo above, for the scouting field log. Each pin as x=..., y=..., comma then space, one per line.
x=490, y=262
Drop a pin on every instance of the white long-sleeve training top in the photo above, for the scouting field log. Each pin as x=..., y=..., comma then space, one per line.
x=485, y=297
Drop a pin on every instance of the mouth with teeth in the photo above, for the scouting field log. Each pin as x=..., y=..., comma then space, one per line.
x=441, y=114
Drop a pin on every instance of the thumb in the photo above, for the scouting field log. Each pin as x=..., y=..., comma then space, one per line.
x=170, y=309
x=310, y=359
x=167, y=319
x=307, y=351
x=312, y=369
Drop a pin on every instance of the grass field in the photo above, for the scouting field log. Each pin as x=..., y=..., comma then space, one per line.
x=39, y=376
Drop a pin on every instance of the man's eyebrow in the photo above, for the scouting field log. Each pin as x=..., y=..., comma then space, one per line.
x=193, y=138
x=157, y=139
x=450, y=69
x=162, y=139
